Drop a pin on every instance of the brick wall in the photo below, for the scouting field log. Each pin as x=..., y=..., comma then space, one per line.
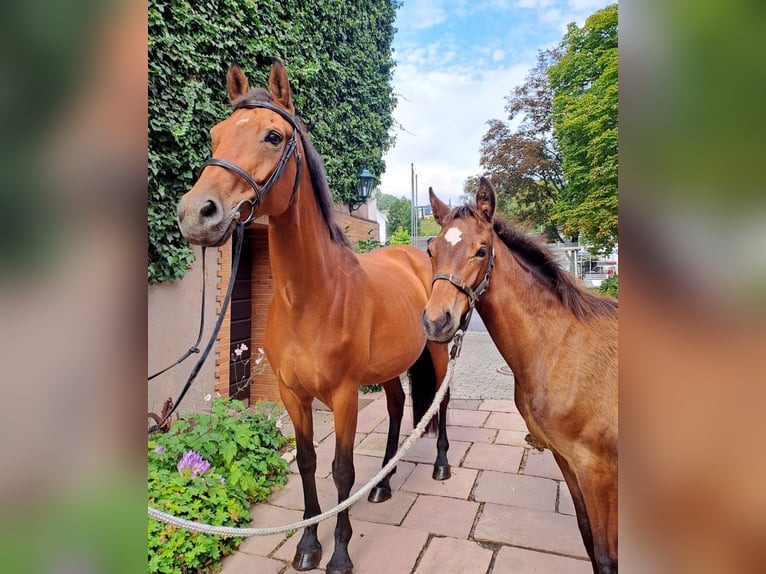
x=265, y=385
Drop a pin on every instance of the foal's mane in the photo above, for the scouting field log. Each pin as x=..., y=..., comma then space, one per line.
x=315, y=165
x=540, y=262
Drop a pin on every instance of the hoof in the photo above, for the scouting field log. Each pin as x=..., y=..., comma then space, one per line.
x=379, y=494
x=346, y=570
x=442, y=472
x=307, y=560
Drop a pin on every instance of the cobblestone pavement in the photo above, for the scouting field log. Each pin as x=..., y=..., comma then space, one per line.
x=505, y=509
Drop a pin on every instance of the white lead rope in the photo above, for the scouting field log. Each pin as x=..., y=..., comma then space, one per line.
x=353, y=499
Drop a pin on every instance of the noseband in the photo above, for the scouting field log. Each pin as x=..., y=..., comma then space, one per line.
x=472, y=294
x=261, y=191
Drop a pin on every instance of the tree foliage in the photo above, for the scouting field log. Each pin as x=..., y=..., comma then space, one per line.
x=523, y=162
x=400, y=215
x=584, y=83
x=338, y=56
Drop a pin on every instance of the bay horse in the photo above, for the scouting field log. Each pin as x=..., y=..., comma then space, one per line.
x=559, y=340
x=337, y=319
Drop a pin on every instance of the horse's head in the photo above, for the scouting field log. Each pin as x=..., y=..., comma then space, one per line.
x=462, y=257
x=255, y=164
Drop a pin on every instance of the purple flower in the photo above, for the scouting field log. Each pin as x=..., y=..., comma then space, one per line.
x=192, y=464
x=159, y=448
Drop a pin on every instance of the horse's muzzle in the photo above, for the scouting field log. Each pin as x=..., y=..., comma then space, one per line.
x=442, y=326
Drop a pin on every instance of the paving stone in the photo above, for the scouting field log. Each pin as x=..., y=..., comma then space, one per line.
x=494, y=457
x=522, y=561
x=512, y=437
x=263, y=515
x=291, y=496
x=366, y=467
x=240, y=563
x=500, y=405
x=451, y=556
x=442, y=515
x=465, y=418
x=516, y=490
x=542, y=464
x=374, y=548
x=566, y=504
x=424, y=450
x=371, y=416
x=466, y=404
x=506, y=421
x=405, y=429
x=458, y=486
x=536, y=529
x=471, y=434
x=392, y=511
x=374, y=444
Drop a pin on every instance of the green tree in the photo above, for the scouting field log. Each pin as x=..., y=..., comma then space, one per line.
x=399, y=215
x=384, y=201
x=400, y=237
x=428, y=226
x=522, y=161
x=584, y=83
x=338, y=56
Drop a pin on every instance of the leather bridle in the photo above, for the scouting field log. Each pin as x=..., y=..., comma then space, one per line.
x=261, y=191
x=472, y=294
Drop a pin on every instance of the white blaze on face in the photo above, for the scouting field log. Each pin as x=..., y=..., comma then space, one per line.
x=453, y=236
x=243, y=121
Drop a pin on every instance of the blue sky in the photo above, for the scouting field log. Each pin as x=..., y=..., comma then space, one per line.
x=456, y=62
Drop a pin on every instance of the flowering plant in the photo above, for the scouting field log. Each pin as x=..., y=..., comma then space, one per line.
x=243, y=361
x=210, y=467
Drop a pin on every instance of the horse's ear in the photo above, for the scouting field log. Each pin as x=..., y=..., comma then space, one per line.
x=439, y=208
x=485, y=199
x=280, y=86
x=236, y=82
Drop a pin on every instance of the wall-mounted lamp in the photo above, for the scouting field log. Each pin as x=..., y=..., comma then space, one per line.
x=363, y=189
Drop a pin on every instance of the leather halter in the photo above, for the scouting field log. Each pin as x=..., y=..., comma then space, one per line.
x=261, y=191
x=472, y=294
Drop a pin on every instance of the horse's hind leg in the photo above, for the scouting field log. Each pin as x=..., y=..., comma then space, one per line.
x=345, y=410
x=395, y=405
x=309, y=551
x=440, y=358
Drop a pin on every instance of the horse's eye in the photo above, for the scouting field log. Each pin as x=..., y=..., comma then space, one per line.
x=274, y=138
x=481, y=253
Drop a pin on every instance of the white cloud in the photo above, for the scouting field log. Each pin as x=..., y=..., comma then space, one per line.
x=445, y=114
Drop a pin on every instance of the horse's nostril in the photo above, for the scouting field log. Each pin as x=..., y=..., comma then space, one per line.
x=447, y=317
x=208, y=209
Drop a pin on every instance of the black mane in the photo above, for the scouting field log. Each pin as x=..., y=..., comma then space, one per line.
x=540, y=262
x=315, y=166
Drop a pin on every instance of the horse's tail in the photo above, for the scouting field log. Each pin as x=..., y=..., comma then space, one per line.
x=423, y=389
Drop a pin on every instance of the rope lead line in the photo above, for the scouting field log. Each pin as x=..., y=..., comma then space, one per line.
x=353, y=499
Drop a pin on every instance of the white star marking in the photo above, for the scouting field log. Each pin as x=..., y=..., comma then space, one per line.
x=453, y=236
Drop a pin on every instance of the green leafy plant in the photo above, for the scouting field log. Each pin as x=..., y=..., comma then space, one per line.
x=210, y=467
x=609, y=286
x=369, y=244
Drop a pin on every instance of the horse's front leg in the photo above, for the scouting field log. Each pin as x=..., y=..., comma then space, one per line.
x=395, y=405
x=598, y=482
x=345, y=410
x=309, y=551
x=440, y=358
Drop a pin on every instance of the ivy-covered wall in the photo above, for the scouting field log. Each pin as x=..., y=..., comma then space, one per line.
x=339, y=60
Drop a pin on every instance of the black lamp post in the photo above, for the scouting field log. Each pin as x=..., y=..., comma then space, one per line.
x=363, y=189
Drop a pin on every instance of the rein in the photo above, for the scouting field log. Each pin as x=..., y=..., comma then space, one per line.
x=472, y=294
x=240, y=232
x=261, y=191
